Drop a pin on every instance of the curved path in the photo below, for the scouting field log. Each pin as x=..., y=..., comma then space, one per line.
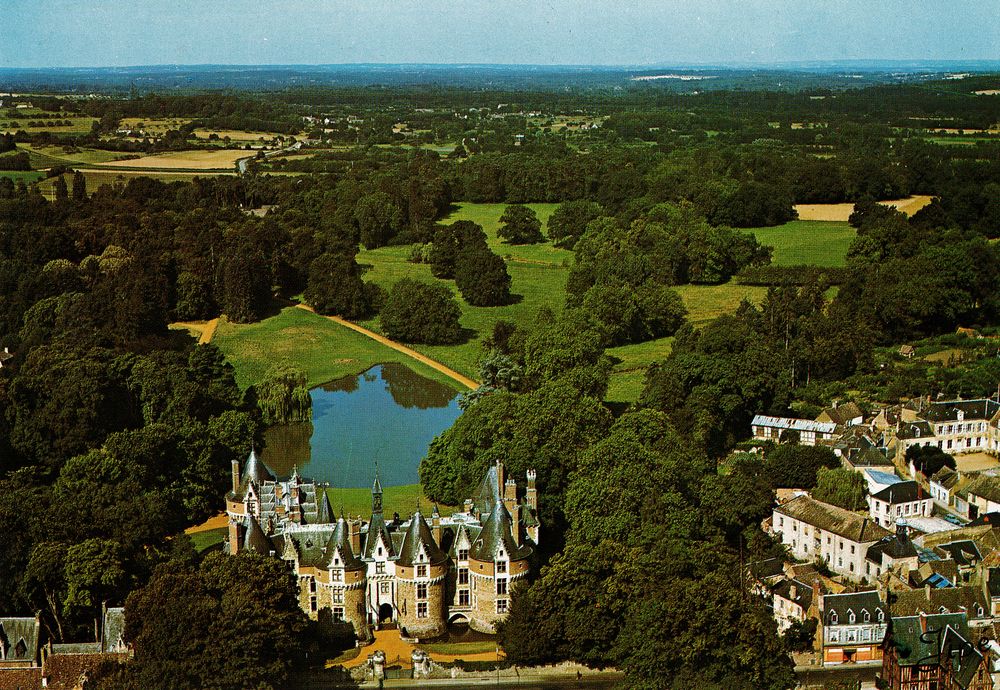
x=409, y=352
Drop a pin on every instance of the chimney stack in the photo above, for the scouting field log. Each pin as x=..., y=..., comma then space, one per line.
x=501, y=479
x=531, y=496
x=515, y=526
x=236, y=476
x=354, y=534
x=510, y=495
x=792, y=592
x=436, y=525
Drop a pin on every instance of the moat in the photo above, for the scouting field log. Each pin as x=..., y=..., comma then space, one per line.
x=388, y=413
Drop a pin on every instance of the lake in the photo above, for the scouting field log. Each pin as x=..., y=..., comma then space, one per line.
x=388, y=414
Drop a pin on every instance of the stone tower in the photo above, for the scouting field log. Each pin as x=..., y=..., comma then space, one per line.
x=497, y=559
x=421, y=582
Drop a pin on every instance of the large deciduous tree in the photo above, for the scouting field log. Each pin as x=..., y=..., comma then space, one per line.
x=417, y=312
x=520, y=225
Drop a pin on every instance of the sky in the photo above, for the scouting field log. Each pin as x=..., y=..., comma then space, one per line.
x=105, y=33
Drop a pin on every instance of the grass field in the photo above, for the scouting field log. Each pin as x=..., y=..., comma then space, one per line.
x=96, y=178
x=28, y=176
x=808, y=242
x=538, y=274
x=224, y=159
x=47, y=156
x=208, y=538
x=234, y=134
x=841, y=212
x=317, y=346
x=395, y=499
x=80, y=125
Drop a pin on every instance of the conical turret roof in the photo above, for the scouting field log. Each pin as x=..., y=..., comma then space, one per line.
x=256, y=469
x=497, y=531
x=341, y=539
x=324, y=511
x=418, y=535
x=255, y=539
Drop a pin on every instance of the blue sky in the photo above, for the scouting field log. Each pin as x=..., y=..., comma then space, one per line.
x=78, y=33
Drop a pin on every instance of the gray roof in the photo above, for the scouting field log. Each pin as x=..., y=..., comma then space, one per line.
x=842, y=414
x=114, y=628
x=419, y=534
x=857, y=602
x=893, y=547
x=984, y=486
x=793, y=423
x=255, y=539
x=833, y=519
x=967, y=599
x=993, y=582
x=948, y=410
x=914, y=645
x=341, y=539
x=488, y=493
x=803, y=592
x=917, y=429
x=324, y=512
x=964, y=552
x=376, y=527
x=497, y=531
x=902, y=492
x=19, y=639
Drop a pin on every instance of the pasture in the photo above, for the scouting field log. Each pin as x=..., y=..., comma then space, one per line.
x=223, y=159
x=316, y=345
x=49, y=156
x=807, y=242
x=841, y=212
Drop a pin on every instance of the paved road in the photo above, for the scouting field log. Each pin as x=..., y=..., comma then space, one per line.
x=423, y=359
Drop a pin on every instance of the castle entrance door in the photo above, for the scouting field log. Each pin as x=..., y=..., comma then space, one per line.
x=384, y=613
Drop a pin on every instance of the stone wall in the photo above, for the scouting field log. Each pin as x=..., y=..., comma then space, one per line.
x=406, y=601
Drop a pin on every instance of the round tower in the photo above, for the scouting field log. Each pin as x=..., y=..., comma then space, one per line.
x=344, y=581
x=421, y=582
x=497, y=559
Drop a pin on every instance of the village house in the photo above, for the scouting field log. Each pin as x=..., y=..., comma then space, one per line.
x=847, y=415
x=420, y=575
x=766, y=428
x=943, y=484
x=933, y=651
x=978, y=497
x=793, y=601
x=852, y=626
x=894, y=554
x=954, y=426
x=879, y=479
x=899, y=501
x=817, y=531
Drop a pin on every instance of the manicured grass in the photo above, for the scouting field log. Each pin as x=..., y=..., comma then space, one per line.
x=208, y=538
x=319, y=347
x=808, y=242
x=461, y=648
x=395, y=499
x=706, y=302
x=538, y=274
x=629, y=374
x=28, y=176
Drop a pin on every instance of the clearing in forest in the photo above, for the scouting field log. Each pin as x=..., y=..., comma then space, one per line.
x=808, y=242
x=842, y=212
x=223, y=159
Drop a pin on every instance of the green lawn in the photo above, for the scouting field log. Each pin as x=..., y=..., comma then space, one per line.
x=395, y=499
x=808, y=242
x=208, y=538
x=72, y=156
x=321, y=348
x=629, y=374
x=538, y=274
x=28, y=176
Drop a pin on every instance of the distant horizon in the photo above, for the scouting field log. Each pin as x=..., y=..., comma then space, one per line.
x=65, y=34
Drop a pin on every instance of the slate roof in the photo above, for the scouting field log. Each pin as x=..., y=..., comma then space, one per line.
x=911, y=642
x=256, y=470
x=842, y=414
x=496, y=532
x=870, y=457
x=418, y=536
x=903, y=492
x=917, y=429
x=770, y=567
x=14, y=631
x=945, y=477
x=965, y=658
x=891, y=546
x=794, y=424
x=984, y=486
x=843, y=604
x=113, y=629
x=376, y=527
x=993, y=582
x=963, y=552
x=488, y=493
x=341, y=539
x=967, y=600
x=985, y=519
x=947, y=411
x=324, y=511
x=833, y=519
x=803, y=592
x=255, y=540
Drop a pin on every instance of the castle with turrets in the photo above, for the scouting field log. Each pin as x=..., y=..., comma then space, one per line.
x=420, y=575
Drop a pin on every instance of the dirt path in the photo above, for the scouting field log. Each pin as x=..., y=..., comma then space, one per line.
x=220, y=520
x=398, y=652
x=409, y=352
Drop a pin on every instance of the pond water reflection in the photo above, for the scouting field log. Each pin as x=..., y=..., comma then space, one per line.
x=388, y=413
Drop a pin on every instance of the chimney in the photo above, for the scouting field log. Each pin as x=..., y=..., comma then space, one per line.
x=501, y=479
x=927, y=592
x=235, y=537
x=531, y=495
x=510, y=495
x=436, y=526
x=467, y=506
x=236, y=476
x=515, y=527
x=923, y=622
x=354, y=534
x=793, y=592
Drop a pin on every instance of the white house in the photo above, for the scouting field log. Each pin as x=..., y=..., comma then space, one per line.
x=879, y=479
x=902, y=500
x=954, y=426
x=767, y=428
x=853, y=626
x=817, y=531
x=791, y=601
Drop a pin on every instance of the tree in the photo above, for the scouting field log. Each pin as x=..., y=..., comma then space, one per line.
x=378, y=219
x=417, y=312
x=59, y=189
x=482, y=278
x=79, y=186
x=283, y=396
x=246, y=283
x=568, y=222
x=520, y=225
x=928, y=460
x=95, y=573
x=841, y=487
x=797, y=467
x=800, y=635
x=449, y=240
x=335, y=287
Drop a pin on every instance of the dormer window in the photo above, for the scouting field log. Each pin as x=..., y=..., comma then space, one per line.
x=850, y=617
x=336, y=560
x=380, y=551
x=979, y=611
x=942, y=609
x=881, y=616
x=867, y=617
x=833, y=618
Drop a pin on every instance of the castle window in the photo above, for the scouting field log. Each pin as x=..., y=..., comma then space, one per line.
x=421, y=609
x=384, y=587
x=312, y=584
x=463, y=597
x=312, y=603
x=338, y=597
x=338, y=613
x=463, y=576
x=380, y=567
x=501, y=606
x=501, y=566
x=422, y=590
x=463, y=554
x=501, y=585
x=421, y=571
x=337, y=575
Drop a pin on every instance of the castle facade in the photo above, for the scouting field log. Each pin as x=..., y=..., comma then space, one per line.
x=416, y=573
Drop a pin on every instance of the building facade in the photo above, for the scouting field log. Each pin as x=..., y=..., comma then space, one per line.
x=853, y=626
x=416, y=573
x=899, y=502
